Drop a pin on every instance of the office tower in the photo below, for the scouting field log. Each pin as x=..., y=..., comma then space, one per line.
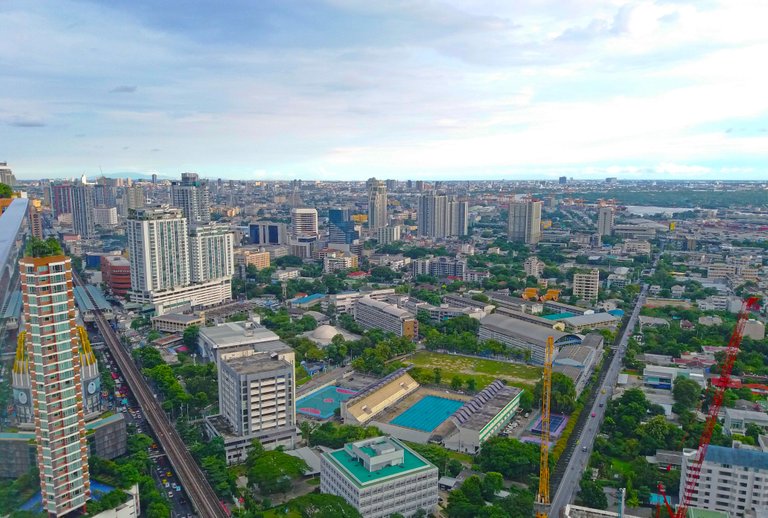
x=586, y=285
x=104, y=193
x=211, y=254
x=158, y=249
x=35, y=220
x=154, y=178
x=377, y=204
x=61, y=198
x=605, y=221
x=268, y=233
x=391, y=185
x=341, y=228
x=524, y=223
x=6, y=175
x=55, y=368
x=192, y=197
x=380, y=477
x=304, y=222
x=563, y=180
x=82, y=210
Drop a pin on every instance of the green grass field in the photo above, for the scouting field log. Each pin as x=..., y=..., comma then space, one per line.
x=482, y=370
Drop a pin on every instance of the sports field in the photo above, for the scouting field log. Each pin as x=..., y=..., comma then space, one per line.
x=323, y=402
x=481, y=370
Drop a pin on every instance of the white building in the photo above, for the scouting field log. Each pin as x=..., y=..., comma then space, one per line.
x=257, y=397
x=736, y=421
x=377, y=204
x=192, y=197
x=380, y=477
x=732, y=480
x=105, y=217
x=526, y=336
x=386, y=235
x=534, y=266
x=659, y=377
x=304, y=222
x=586, y=285
x=211, y=254
x=442, y=216
x=214, y=341
x=344, y=303
x=375, y=314
x=128, y=509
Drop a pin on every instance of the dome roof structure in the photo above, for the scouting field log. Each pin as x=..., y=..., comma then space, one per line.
x=325, y=332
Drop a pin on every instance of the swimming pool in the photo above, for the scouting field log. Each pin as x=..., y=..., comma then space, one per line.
x=427, y=414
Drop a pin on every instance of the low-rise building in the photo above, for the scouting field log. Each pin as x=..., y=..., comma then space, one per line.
x=176, y=322
x=344, y=303
x=338, y=260
x=380, y=477
x=246, y=257
x=286, y=274
x=659, y=377
x=736, y=421
x=375, y=314
x=524, y=335
x=579, y=323
x=116, y=273
x=483, y=417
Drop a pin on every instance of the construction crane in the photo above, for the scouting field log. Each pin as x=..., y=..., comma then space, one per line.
x=719, y=385
x=542, y=497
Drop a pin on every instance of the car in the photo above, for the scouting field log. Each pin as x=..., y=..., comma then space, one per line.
x=168, y=474
x=178, y=489
x=170, y=494
x=601, y=405
x=593, y=414
x=166, y=485
x=583, y=448
x=602, y=391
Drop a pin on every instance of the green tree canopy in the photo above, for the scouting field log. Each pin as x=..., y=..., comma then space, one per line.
x=42, y=248
x=686, y=393
x=5, y=190
x=563, y=393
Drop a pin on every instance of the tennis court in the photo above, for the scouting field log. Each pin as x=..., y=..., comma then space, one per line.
x=323, y=402
x=427, y=414
x=556, y=424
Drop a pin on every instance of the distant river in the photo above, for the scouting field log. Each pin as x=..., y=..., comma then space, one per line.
x=649, y=210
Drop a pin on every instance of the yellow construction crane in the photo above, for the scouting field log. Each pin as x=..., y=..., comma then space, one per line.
x=542, y=497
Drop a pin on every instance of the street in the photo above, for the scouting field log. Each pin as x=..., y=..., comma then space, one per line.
x=577, y=465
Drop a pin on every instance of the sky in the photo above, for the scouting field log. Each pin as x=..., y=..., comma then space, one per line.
x=349, y=89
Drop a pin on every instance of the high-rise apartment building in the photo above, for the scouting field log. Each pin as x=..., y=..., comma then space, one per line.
x=83, y=202
x=135, y=197
x=524, y=223
x=605, y=221
x=6, y=175
x=442, y=216
x=586, y=285
x=158, y=249
x=61, y=198
x=35, y=220
x=304, y=222
x=377, y=204
x=386, y=235
x=534, y=266
x=55, y=371
x=211, y=254
x=341, y=228
x=192, y=197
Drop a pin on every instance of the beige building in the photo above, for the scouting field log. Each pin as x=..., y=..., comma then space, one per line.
x=534, y=266
x=374, y=314
x=338, y=260
x=524, y=224
x=586, y=285
x=257, y=258
x=605, y=221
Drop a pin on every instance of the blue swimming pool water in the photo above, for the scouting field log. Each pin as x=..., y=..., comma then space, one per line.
x=427, y=414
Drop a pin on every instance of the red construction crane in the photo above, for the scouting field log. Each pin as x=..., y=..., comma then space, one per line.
x=719, y=386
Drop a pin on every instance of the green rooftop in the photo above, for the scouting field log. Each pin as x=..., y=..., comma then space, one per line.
x=359, y=474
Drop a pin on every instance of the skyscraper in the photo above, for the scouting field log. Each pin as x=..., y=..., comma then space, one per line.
x=61, y=198
x=82, y=210
x=211, y=254
x=158, y=249
x=304, y=222
x=377, y=204
x=605, y=221
x=442, y=216
x=524, y=223
x=135, y=197
x=55, y=371
x=6, y=175
x=192, y=197
x=341, y=228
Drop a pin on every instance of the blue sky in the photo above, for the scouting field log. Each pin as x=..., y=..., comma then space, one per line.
x=344, y=89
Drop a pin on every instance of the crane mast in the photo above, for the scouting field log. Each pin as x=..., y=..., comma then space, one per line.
x=542, y=497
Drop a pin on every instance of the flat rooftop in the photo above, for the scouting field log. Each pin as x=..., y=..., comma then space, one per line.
x=257, y=363
x=232, y=334
x=359, y=474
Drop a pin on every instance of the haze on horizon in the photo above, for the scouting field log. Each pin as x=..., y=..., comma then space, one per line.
x=345, y=90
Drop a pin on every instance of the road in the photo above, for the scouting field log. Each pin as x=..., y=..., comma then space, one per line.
x=200, y=492
x=569, y=484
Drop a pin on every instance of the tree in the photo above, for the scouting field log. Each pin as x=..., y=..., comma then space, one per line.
x=563, y=393
x=471, y=384
x=513, y=459
x=456, y=383
x=438, y=375
x=526, y=401
x=319, y=505
x=5, y=190
x=42, y=248
x=273, y=471
x=686, y=393
x=190, y=336
x=592, y=495
x=492, y=484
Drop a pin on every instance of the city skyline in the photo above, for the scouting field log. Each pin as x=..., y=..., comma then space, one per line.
x=345, y=90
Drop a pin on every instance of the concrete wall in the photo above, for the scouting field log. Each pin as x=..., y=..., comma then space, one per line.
x=109, y=440
x=18, y=457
